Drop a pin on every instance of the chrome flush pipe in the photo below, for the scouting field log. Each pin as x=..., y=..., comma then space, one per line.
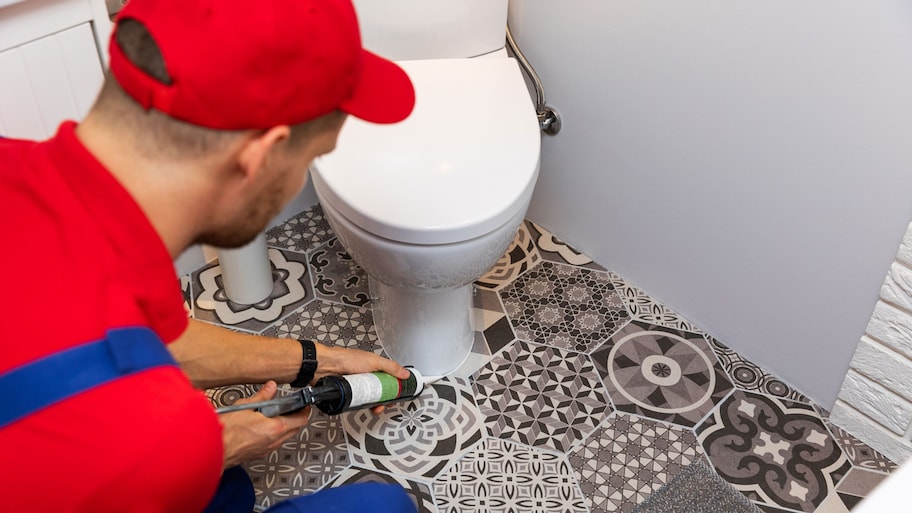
x=548, y=118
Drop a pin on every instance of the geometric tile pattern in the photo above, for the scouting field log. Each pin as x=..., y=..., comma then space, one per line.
x=303, y=464
x=564, y=306
x=775, y=451
x=662, y=373
x=746, y=375
x=628, y=458
x=417, y=438
x=530, y=425
x=336, y=276
x=540, y=395
x=332, y=324
x=301, y=232
x=503, y=476
x=555, y=250
x=520, y=256
x=291, y=288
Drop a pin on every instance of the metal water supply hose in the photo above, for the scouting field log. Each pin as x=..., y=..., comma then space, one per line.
x=548, y=118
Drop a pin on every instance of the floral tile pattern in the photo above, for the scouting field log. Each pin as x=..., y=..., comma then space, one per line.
x=291, y=288
x=521, y=256
x=777, y=452
x=417, y=438
x=662, y=373
x=749, y=376
x=336, y=276
x=540, y=395
x=303, y=464
x=646, y=309
x=529, y=422
x=500, y=475
x=564, y=306
x=628, y=458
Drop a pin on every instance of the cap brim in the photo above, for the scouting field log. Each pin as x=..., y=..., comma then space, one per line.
x=383, y=94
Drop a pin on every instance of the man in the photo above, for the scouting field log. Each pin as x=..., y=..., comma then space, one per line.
x=209, y=117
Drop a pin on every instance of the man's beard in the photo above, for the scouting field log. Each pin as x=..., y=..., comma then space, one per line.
x=246, y=226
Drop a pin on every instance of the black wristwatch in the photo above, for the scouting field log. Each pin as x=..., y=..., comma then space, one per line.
x=308, y=364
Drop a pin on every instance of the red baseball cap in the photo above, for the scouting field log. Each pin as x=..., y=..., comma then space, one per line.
x=245, y=64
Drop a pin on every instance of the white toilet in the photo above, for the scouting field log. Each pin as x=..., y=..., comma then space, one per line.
x=428, y=205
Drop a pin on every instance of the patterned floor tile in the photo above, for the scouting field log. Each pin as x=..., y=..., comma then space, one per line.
x=540, y=395
x=291, y=289
x=490, y=318
x=336, y=276
x=419, y=493
x=331, y=324
x=521, y=256
x=628, y=458
x=303, y=464
x=860, y=482
x=776, y=451
x=564, y=306
x=417, y=438
x=859, y=453
x=502, y=476
x=302, y=232
x=646, y=309
x=553, y=249
x=662, y=373
x=747, y=375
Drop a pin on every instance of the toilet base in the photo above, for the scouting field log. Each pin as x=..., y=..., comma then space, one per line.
x=430, y=329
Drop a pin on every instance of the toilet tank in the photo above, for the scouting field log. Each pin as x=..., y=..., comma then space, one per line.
x=432, y=29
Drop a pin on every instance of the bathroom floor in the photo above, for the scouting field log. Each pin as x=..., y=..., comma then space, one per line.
x=582, y=394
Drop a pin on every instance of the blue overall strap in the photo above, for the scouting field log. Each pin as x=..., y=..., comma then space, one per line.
x=43, y=382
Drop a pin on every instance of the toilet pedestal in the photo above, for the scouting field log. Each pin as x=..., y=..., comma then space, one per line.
x=401, y=317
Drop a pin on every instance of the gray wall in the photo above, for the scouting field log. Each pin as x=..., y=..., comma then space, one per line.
x=749, y=164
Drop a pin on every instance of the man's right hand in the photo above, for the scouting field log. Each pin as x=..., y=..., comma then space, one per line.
x=249, y=435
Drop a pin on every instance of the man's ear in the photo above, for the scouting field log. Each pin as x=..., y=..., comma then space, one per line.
x=255, y=152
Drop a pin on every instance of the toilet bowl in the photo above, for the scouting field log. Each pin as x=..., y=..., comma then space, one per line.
x=428, y=205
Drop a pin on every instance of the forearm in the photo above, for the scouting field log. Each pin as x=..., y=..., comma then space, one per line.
x=212, y=356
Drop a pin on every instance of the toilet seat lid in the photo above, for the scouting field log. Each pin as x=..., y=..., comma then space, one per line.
x=459, y=167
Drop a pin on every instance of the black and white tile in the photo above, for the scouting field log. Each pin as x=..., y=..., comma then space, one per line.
x=775, y=451
x=503, y=476
x=564, y=306
x=420, y=437
x=291, y=289
x=336, y=276
x=302, y=232
x=540, y=395
x=630, y=457
x=662, y=373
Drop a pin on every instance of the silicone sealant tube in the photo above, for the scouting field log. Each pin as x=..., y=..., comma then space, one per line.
x=341, y=393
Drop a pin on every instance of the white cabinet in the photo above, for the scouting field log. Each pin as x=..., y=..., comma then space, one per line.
x=52, y=53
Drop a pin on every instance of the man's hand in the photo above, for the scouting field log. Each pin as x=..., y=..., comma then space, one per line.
x=338, y=360
x=248, y=435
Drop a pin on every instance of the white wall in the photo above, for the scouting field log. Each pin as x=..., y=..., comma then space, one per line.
x=747, y=163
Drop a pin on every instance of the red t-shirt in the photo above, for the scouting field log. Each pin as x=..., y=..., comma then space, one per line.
x=79, y=257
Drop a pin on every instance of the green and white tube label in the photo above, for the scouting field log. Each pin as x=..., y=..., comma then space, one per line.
x=380, y=387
